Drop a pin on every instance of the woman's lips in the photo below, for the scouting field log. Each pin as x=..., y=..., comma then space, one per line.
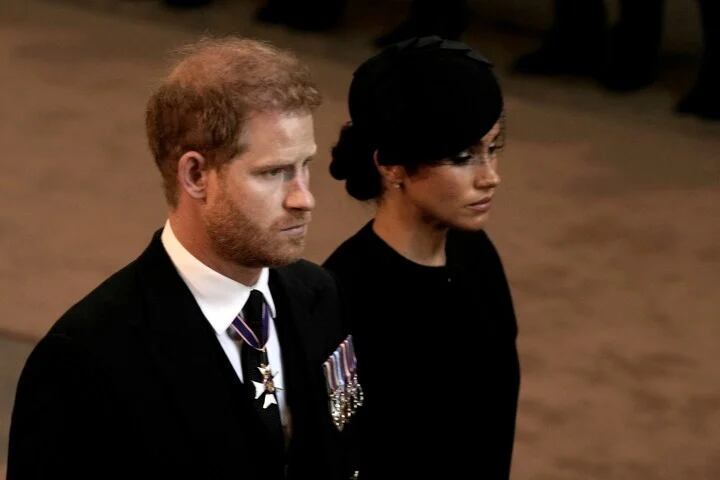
x=481, y=206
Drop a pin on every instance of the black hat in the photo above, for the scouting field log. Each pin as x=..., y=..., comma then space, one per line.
x=424, y=99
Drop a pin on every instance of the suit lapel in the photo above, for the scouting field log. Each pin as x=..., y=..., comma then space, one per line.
x=200, y=381
x=204, y=389
x=291, y=324
x=304, y=339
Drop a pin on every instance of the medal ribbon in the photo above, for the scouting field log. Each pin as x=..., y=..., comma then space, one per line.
x=247, y=333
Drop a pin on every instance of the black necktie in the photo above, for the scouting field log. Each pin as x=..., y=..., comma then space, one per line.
x=254, y=362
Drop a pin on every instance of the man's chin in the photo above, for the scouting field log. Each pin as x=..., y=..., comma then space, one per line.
x=281, y=257
x=289, y=257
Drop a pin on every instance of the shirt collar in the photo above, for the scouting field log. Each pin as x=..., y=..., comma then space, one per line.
x=220, y=298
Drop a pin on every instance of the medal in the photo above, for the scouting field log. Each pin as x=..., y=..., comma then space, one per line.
x=267, y=387
x=344, y=390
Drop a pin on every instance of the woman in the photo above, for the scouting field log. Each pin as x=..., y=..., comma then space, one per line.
x=431, y=312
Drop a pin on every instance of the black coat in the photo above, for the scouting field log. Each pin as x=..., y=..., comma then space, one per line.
x=132, y=383
x=436, y=357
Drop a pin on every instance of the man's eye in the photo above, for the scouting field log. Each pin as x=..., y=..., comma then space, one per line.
x=274, y=172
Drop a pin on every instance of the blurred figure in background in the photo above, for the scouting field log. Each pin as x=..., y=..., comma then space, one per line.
x=704, y=97
x=186, y=3
x=579, y=42
x=624, y=57
x=311, y=15
x=444, y=18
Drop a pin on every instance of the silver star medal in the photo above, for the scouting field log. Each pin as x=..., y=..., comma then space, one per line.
x=267, y=386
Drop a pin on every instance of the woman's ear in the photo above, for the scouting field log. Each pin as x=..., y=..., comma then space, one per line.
x=392, y=175
x=192, y=174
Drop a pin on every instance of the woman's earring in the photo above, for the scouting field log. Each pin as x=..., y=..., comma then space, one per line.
x=397, y=185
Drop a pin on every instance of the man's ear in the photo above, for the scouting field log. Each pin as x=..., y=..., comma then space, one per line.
x=392, y=175
x=192, y=174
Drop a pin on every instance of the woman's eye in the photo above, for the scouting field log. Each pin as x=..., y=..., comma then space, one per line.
x=494, y=148
x=462, y=158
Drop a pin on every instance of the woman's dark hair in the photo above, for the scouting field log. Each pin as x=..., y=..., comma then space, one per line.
x=415, y=103
x=352, y=161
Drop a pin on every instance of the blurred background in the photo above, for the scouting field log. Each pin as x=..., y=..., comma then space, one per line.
x=608, y=218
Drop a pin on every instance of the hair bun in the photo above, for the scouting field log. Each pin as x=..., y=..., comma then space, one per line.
x=352, y=161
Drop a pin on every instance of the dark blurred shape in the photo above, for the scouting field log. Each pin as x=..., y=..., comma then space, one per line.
x=703, y=99
x=444, y=18
x=574, y=45
x=308, y=15
x=186, y=3
x=580, y=43
x=625, y=57
x=634, y=45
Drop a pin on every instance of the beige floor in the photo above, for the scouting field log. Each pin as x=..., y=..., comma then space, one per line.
x=608, y=219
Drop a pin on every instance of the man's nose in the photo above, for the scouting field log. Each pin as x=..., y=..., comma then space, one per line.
x=299, y=197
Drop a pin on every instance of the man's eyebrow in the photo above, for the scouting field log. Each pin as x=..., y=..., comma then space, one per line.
x=275, y=163
x=280, y=162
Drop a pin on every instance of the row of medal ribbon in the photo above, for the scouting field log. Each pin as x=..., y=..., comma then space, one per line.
x=344, y=389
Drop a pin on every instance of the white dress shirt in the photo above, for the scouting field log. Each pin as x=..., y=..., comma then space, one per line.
x=221, y=299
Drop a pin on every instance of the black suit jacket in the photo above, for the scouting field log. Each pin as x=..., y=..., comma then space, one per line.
x=132, y=383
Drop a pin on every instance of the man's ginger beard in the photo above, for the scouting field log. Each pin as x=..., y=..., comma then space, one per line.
x=238, y=238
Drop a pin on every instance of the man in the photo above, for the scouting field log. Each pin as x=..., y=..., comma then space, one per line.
x=197, y=360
